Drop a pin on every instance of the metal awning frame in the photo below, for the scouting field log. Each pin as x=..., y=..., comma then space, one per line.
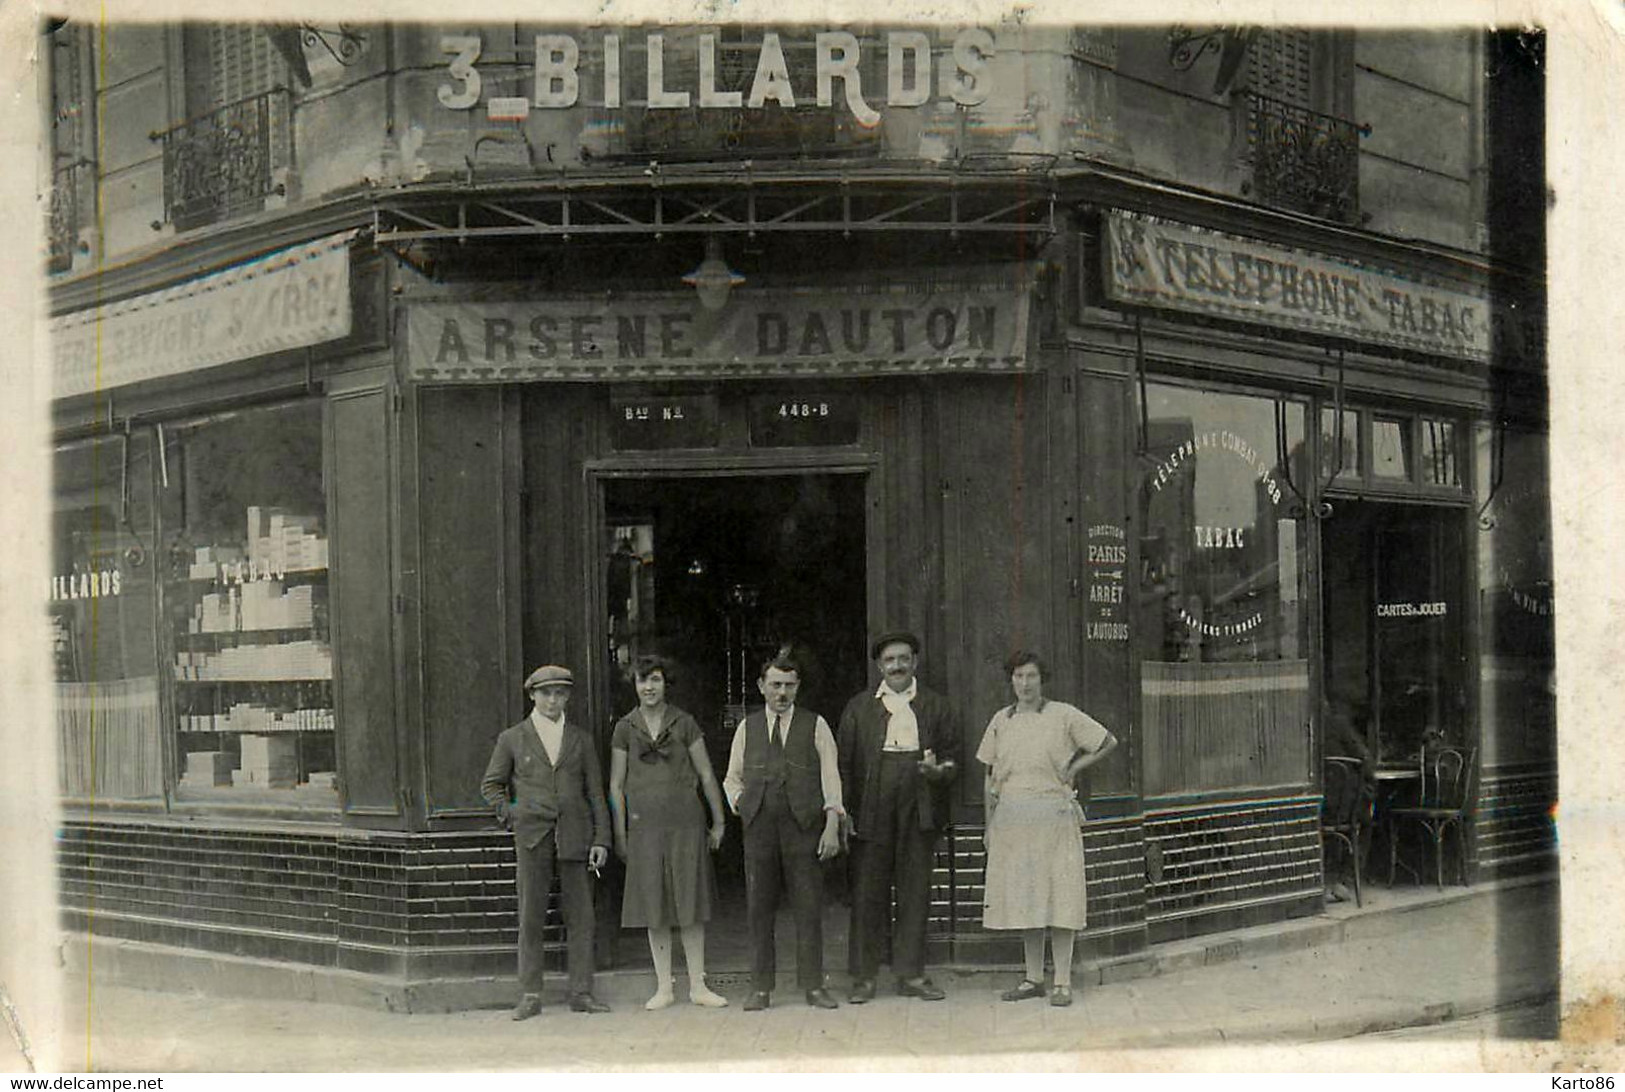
x=952, y=206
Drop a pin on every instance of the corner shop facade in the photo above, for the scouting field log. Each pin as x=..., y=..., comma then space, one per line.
x=1018, y=398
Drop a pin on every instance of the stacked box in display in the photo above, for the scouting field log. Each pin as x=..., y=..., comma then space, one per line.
x=259, y=528
x=207, y=769
x=270, y=761
x=300, y=607
x=261, y=605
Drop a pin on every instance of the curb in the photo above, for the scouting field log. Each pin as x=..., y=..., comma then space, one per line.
x=1333, y=926
x=1409, y=1015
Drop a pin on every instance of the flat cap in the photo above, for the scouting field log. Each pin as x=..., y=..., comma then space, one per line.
x=901, y=637
x=550, y=675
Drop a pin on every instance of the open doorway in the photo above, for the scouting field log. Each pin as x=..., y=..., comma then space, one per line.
x=1393, y=615
x=714, y=573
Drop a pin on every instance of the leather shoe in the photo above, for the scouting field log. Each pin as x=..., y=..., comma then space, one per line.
x=822, y=999
x=529, y=1005
x=586, y=1002
x=923, y=988
x=863, y=991
x=1027, y=989
x=1061, y=996
x=757, y=1001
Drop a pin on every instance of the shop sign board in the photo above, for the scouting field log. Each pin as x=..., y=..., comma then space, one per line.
x=1161, y=263
x=290, y=299
x=796, y=418
x=784, y=334
x=560, y=63
x=512, y=97
x=1107, y=579
x=652, y=423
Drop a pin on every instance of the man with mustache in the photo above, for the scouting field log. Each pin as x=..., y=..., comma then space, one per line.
x=898, y=748
x=784, y=783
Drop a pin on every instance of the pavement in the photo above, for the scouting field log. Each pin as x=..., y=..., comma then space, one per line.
x=1482, y=960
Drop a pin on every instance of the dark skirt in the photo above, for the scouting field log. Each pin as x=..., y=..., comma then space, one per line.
x=668, y=865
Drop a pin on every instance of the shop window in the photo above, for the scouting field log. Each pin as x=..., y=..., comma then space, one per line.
x=247, y=609
x=102, y=612
x=1330, y=464
x=1441, y=461
x=1222, y=637
x=1391, y=448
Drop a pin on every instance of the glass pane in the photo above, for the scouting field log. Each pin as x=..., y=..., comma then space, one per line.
x=1441, y=462
x=101, y=610
x=656, y=422
x=248, y=609
x=795, y=418
x=1221, y=629
x=1390, y=448
x=1329, y=462
x=1420, y=685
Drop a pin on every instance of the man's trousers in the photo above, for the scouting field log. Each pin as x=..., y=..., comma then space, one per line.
x=780, y=854
x=535, y=880
x=892, y=851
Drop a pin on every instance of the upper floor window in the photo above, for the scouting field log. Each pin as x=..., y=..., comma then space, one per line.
x=71, y=183
x=1303, y=150
x=234, y=149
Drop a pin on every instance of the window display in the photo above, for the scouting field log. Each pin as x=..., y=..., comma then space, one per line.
x=1222, y=635
x=247, y=600
x=100, y=606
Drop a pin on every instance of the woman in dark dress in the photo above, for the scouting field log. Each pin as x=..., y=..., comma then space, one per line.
x=657, y=762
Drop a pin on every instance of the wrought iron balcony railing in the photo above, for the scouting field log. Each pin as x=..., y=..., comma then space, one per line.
x=225, y=163
x=1303, y=160
x=63, y=241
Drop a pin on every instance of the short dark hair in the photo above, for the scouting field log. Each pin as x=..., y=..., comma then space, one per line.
x=644, y=666
x=1021, y=658
x=784, y=659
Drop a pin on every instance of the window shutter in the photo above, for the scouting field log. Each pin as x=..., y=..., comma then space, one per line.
x=242, y=64
x=1279, y=65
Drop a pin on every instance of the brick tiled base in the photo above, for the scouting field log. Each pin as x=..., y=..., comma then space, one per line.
x=1515, y=831
x=1114, y=860
x=441, y=907
x=410, y=906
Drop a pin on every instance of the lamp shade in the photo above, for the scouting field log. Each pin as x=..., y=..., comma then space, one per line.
x=712, y=279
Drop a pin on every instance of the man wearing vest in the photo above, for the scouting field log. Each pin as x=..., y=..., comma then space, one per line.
x=545, y=783
x=784, y=783
x=898, y=746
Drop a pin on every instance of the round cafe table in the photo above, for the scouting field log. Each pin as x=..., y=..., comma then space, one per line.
x=1392, y=778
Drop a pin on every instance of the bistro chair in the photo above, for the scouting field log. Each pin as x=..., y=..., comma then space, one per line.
x=1447, y=776
x=1342, y=812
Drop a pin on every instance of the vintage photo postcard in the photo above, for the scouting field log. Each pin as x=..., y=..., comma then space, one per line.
x=810, y=537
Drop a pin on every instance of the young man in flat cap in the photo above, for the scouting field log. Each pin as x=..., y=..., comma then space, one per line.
x=784, y=783
x=899, y=746
x=545, y=782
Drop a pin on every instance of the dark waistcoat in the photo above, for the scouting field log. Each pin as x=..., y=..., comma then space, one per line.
x=793, y=769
